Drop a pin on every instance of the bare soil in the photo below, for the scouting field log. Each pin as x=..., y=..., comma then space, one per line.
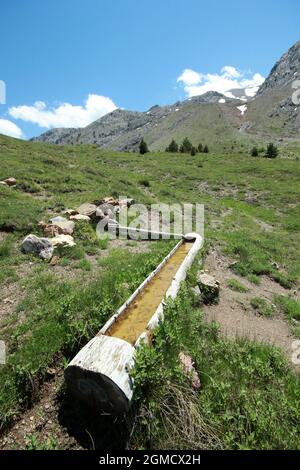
x=236, y=316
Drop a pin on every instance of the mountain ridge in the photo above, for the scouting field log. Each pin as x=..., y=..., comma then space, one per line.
x=212, y=117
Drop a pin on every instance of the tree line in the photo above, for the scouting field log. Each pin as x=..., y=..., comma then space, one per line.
x=271, y=151
x=185, y=147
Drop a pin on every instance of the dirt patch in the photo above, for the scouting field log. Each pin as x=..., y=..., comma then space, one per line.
x=58, y=421
x=234, y=312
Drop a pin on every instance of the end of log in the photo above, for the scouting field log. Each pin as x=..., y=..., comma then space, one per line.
x=99, y=374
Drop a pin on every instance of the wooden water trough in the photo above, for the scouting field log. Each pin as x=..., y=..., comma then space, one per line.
x=99, y=373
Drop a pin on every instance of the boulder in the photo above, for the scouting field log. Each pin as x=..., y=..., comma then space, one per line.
x=80, y=217
x=59, y=225
x=87, y=209
x=105, y=210
x=64, y=226
x=62, y=240
x=39, y=246
x=58, y=218
x=209, y=288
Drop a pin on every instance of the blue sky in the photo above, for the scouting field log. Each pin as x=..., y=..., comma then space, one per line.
x=129, y=53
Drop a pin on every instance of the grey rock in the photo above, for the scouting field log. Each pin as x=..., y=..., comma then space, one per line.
x=39, y=246
x=87, y=209
x=209, y=288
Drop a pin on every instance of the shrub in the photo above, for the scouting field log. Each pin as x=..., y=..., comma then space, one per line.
x=272, y=151
x=254, y=152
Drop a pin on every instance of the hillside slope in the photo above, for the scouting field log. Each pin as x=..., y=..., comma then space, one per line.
x=210, y=118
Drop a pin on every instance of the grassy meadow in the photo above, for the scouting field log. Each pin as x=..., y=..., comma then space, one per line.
x=249, y=396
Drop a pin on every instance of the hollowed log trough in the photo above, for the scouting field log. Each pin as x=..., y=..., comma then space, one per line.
x=99, y=373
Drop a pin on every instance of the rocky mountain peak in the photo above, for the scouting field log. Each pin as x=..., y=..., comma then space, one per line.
x=284, y=71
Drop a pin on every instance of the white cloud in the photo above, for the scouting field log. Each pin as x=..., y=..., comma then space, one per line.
x=197, y=83
x=230, y=72
x=9, y=128
x=65, y=114
x=190, y=77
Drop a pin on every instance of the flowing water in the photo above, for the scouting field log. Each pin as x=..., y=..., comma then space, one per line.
x=134, y=320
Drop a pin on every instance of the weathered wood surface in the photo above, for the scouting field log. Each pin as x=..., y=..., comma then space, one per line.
x=99, y=374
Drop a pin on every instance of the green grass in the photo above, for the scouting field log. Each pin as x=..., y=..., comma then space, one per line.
x=60, y=317
x=262, y=306
x=249, y=398
x=237, y=286
x=84, y=264
x=251, y=216
x=289, y=306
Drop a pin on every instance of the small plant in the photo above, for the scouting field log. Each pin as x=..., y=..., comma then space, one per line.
x=254, y=279
x=282, y=279
x=103, y=243
x=205, y=149
x=33, y=443
x=262, y=306
x=234, y=284
x=84, y=264
x=193, y=151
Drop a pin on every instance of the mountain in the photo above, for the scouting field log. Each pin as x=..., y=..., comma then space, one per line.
x=272, y=112
x=211, y=118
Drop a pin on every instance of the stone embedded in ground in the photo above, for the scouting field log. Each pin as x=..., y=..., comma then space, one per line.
x=10, y=181
x=189, y=371
x=54, y=261
x=39, y=246
x=209, y=288
x=80, y=217
x=87, y=209
x=62, y=240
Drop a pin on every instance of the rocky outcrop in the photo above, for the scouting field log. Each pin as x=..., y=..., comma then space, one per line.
x=284, y=71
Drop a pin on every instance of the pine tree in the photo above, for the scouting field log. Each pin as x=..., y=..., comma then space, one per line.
x=254, y=152
x=186, y=146
x=272, y=151
x=200, y=148
x=205, y=149
x=173, y=147
x=193, y=151
x=143, y=147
